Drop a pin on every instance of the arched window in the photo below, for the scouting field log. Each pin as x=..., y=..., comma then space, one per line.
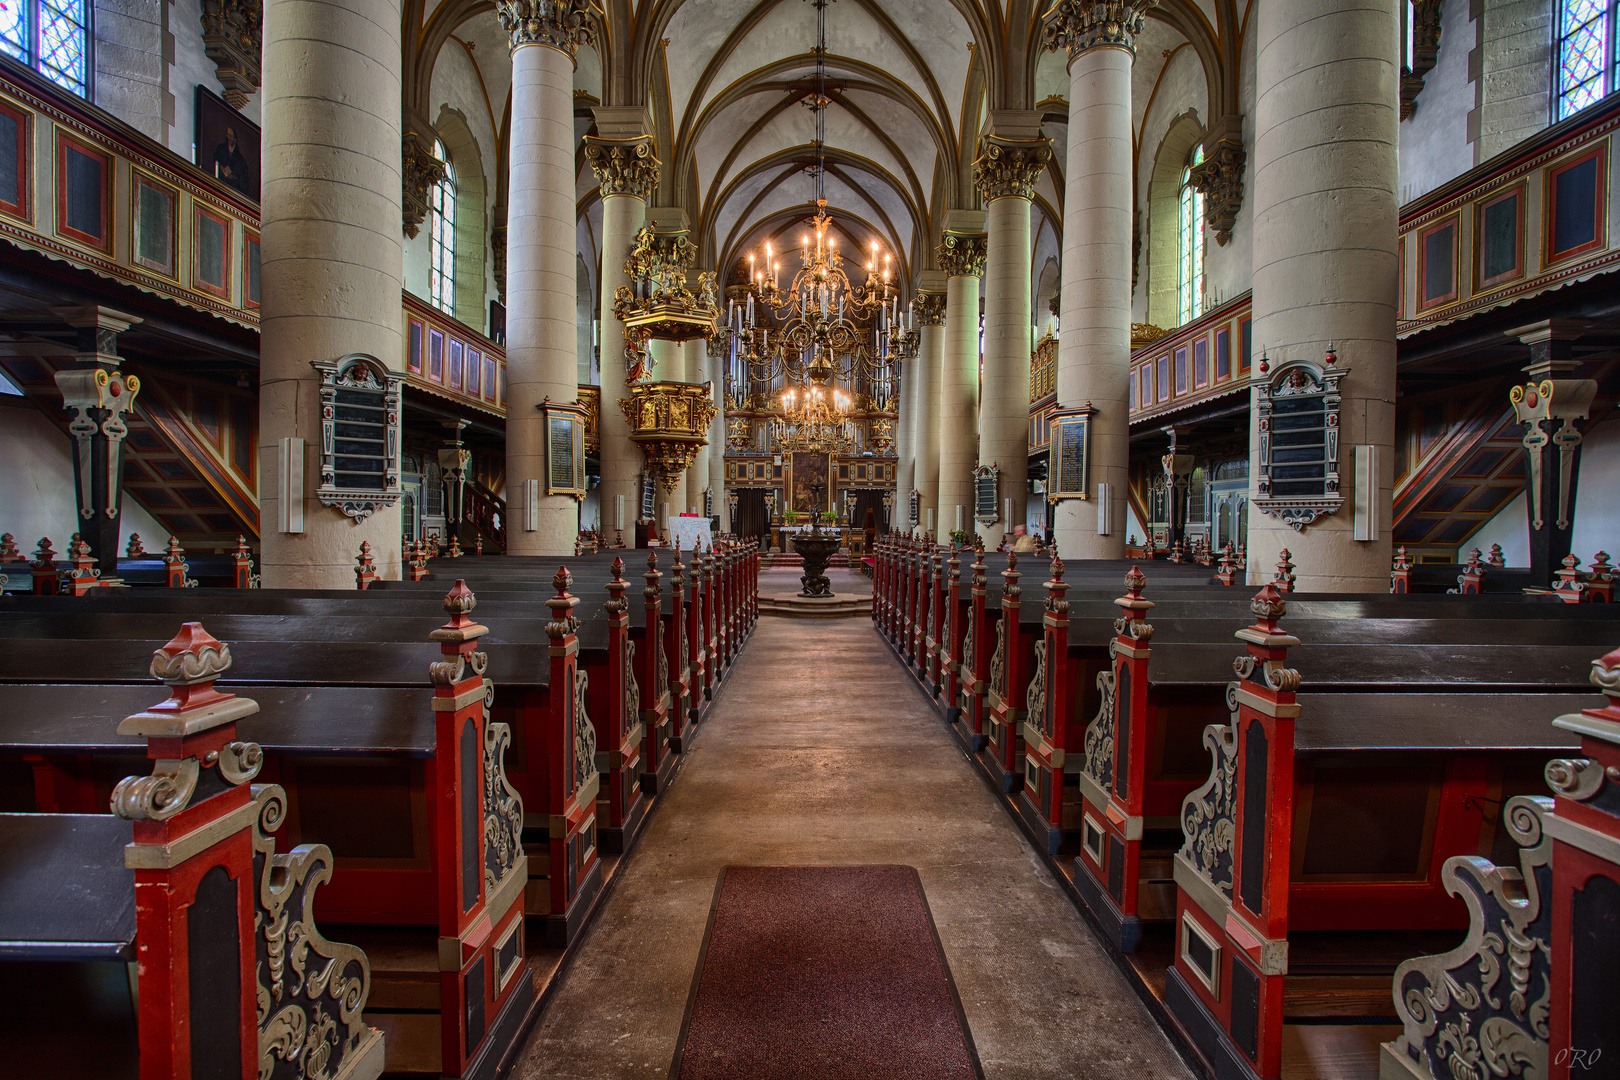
x=1583, y=54
x=442, y=236
x=50, y=36
x=1192, y=242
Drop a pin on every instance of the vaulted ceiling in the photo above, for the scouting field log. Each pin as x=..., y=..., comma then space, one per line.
x=729, y=85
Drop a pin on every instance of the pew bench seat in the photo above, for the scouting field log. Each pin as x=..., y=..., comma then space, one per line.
x=65, y=893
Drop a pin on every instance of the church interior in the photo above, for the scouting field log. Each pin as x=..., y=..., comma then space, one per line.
x=809, y=538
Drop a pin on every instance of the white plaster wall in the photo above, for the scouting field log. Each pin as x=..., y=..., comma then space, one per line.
x=469, y=84
x=1229, y=270
x=36, y=486
x=189, y=69
x=418, y=260
x=1434, y=142
x=1181, y=88
x=131, y=77
x=1597, y=514
x=1510, y=528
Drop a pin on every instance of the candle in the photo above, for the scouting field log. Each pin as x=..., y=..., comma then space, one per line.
x=1007, y=512
x=618, y=512
x=958, y=517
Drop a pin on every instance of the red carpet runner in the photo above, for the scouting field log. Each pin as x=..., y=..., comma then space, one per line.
x=824, y=972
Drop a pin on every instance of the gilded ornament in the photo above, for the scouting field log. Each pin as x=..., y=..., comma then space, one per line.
x=1010, y=168
x=1080, y=25
x=962, y=254
x=564, y=25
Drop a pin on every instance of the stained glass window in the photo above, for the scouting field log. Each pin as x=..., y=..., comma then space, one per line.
x=442, y=237
x=1192, y=242
x=51, y=36
x=1585, y=54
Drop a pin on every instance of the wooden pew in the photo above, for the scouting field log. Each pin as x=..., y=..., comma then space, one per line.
x=396, y=872
x=1310, y=822
x=1547, y=917
x=234, y=978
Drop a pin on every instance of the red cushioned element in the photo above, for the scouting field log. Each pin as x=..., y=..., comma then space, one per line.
x=824, y=972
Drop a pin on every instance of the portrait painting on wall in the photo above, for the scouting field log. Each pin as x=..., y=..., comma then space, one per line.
x=810, y=493
x=226, y=144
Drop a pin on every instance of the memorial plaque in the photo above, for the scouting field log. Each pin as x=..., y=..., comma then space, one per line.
x=565, y=450
x=986, y=496
x=1069, y=454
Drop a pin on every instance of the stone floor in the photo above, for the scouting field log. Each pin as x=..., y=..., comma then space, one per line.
x=820, y=750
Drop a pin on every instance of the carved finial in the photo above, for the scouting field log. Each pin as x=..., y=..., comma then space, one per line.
x=1284, y=581
x=1601, y=570
x=193, y=658
x=1135, y=581
x=1496, y=558
x=459, y=603
x=132, y=550
x=1606, y=677
x=618, y=568
x=1402, y=561
x=44, y=556
x=1268, y=606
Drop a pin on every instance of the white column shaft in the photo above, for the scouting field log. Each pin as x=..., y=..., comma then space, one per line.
x=622, y=216
x=959, y=404
x=541, y=289
x=1004, y=408
x=1094, y=348
x=332, y=260
x=1325, y=217
x=930, y=349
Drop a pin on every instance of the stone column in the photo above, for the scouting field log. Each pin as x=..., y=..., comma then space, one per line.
x=715, y=349
x=905, y=443
x=1094, y=347
x=1011, y=160
x=929, y=304
x=961, y=256
x=541, y=286
x=1324, y=259
x=696, y=364
x=332, y=263
x=621, y=154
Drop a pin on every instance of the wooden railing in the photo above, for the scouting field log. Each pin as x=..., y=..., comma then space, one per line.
x=449, y=359
x=91, y=191
x=1207, y=358
x=1531, y=219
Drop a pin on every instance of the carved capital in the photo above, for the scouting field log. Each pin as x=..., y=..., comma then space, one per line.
x=497, y=258
x=564, y=25
x=1009, y=168
x=962, y=254
x=1220, y=177
x=929, y=307
x=623, y=166
x=421, y=171
x=233, y=35
x=1425, y=15
x=1081, y=25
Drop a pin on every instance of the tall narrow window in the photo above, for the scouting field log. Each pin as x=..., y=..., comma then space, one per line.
x=442, y=237
x=1192, y=242
x=50, y=36
x=1584, y=54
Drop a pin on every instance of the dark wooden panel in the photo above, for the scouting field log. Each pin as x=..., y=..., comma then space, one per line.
x=64, y=892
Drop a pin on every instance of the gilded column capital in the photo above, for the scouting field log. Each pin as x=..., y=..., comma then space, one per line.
x=962, y=254
x=564, y=25
x=1082, y=25
x=623, y=166
x=1009, y=168
x=930, y=308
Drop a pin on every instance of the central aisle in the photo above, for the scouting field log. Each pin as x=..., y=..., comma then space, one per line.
x=820, y=750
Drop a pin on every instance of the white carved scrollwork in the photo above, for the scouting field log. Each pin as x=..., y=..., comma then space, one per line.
x=1481, y=1010
x=1208, y=814
x=1035, y=699
x=503, y=806
x=311, y=991
x=584, y=733
x=1099, y=749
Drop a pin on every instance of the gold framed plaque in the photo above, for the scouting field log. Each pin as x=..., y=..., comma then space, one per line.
x=1068, y=465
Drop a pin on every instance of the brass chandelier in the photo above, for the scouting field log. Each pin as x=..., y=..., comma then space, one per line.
x=821, y=330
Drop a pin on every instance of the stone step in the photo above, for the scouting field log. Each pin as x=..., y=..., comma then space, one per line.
x=793, y=606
